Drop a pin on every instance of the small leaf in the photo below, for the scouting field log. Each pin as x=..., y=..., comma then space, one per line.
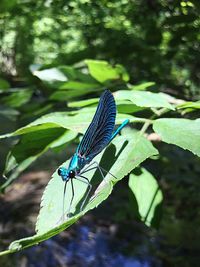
x=181, y=132
x=102, y=71
x=147, y=193
x=144, y=99
x=142, y=86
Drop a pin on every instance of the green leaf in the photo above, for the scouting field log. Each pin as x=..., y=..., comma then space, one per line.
x=120, y=159
x=189, y=106
x=76, y=85
x=181, y=132
x=144, y=99
x=142, y=86
x=147, y=193
x=30, y=147
x=102, y=71
x=68, y=121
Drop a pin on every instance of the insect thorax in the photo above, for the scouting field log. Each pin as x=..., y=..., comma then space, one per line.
x=82, y=161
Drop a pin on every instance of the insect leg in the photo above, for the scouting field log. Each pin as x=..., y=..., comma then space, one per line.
x=70, y=205
x=100, y=170
x=88, y=167
x=106, y=171
x=63, y=207
x=86, y=181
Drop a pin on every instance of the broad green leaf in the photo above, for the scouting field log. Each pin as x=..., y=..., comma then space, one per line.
x=142, y=86
x=127, y=153
x=17, y=97
x=31, y=146
x=102, y=71
x=144, y=99
x=147, y=193
x=68, y=121
x=181, y=132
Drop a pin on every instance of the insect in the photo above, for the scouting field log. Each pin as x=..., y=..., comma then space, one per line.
x=98, y=135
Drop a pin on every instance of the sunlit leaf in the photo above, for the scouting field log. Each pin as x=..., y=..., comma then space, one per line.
x=144, y=98
x=102, y=71
x=181, y=132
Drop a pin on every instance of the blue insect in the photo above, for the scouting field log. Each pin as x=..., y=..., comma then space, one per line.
x=98, y=135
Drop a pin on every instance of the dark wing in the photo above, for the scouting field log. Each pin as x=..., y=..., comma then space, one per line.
x=100, y=129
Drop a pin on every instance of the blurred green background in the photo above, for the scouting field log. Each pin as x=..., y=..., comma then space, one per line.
x=45, y=47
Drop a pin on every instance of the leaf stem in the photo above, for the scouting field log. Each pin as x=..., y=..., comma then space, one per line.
x=5, y=252
x=158, y=113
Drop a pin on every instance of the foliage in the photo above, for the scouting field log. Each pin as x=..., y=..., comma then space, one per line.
x=55, y=130
x=50, y=87
x=163, y=47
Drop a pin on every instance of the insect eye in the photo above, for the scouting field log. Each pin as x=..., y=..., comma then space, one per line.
x=59, y=171
x=71, y=174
